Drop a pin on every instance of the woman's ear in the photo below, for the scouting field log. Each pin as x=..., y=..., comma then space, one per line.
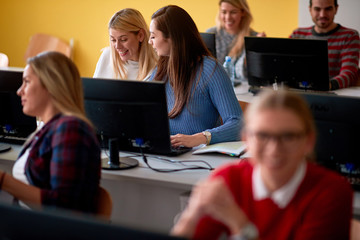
x=310, y=143
x=141, y=35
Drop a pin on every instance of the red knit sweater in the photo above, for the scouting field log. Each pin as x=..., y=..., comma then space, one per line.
x=320, y=209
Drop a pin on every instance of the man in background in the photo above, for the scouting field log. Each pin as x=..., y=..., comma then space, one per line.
x=343, y=43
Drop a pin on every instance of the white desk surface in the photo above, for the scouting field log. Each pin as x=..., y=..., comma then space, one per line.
x=144, y=198
x=183, y=178
x=15, y=69
x=151, y=191
x=243, y=94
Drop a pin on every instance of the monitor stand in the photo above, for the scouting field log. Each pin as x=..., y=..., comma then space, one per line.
x=4, y=147
x=114, y=162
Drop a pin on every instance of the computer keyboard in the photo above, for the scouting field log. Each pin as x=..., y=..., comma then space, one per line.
x=12, y=140
x=179, y=150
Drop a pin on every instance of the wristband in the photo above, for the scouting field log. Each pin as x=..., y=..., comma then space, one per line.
x=207, y=134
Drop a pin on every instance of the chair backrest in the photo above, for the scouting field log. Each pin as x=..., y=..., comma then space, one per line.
x=105, y=204
x=4, y=60
x=243, y=105
x=209, y=40
x=42, y=42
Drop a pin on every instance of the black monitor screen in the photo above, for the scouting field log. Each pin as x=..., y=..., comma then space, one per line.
x=296, y=63
x=129, y=111
x=13, y=122
x=337, y=121
x=19, y=224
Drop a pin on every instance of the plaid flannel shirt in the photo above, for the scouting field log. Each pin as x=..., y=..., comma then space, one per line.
x=64, y=161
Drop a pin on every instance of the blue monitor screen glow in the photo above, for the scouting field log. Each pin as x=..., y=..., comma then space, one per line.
x=297, y=63
x=13, y=122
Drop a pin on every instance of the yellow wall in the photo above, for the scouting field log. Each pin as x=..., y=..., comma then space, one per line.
x=86, y=22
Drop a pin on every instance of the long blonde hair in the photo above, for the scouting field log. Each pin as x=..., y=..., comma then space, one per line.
x=244, y=27
x=60, y=76
x=131, y=20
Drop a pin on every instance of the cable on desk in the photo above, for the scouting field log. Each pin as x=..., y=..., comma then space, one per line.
x=194, y=167
x=184, y=163
x=191, y=167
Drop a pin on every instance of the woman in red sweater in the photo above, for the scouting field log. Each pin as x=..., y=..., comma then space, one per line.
x=278, y=193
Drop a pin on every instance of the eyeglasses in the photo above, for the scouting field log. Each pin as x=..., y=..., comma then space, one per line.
x=285, y=139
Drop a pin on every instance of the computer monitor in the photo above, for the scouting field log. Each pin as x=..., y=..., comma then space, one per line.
x=14, y=124
x=133, y=112
x=209, y=40
x=19, y=224
x=297, y=63
x=337, y=121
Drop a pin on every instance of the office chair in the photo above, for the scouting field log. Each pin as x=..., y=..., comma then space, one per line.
x=43, y=42
x=105, y=204
x=4, y=60
x=209, y=40
x=243, y=105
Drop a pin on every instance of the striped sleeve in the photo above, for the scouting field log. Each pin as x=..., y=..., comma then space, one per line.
x=224, y=99
x=344, y=48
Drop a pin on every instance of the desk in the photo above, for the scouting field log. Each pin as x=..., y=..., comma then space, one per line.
x=144, y=198
x=147, y=199
x=243, y=94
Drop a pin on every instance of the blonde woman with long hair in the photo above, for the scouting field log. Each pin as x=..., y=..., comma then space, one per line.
x=129, y=56
x=59, y=166
x=233, y=23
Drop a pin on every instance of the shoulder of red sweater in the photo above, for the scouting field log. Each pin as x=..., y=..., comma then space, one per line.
x=324, y=174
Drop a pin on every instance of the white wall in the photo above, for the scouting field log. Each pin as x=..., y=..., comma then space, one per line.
x=348, y=14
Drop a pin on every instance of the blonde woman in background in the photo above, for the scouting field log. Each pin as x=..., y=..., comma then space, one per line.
x=59, y=166
x=129, y=56
x=232, y=25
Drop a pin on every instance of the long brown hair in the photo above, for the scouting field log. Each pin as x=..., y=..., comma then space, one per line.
x=186, y=53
